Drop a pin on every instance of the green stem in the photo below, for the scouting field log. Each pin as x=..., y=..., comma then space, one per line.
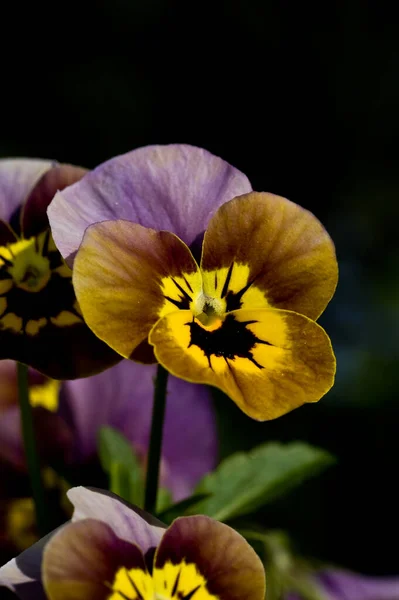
x=154, y=453
x=31, y=454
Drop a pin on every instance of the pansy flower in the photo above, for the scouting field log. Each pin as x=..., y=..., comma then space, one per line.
x=238, y=314
x=338, y=584
x=111, y=551
x=69, y=415
x=40, y=320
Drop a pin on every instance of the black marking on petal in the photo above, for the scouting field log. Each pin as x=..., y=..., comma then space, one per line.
x=149, y=559
x=234, y=299
x=6, y=261
x=183, y=291
x=179, y=303
x=187, y=284
x=226, y=283
x=190, y=594
x=176, y=583
x=216, y=280
x=122, y=595
x=183, y=302
x=46, y=242
x=136, y=589
x=231, y=340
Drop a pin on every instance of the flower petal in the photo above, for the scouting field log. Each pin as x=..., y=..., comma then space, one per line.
x=261, y=251
x=126, y=392
x=34, y=216
x=127, y=276
x=175, y=188
x=23, y=574
x=268, y=361
x=226, y=567
x=344, y=585
x=40, y=320
x=82, y=559
x=128, y=522
x=17, y=179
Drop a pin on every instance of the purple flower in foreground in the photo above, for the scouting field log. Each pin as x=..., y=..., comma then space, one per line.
x=111, y=551
x=337, y=584
x=40, y=319
x=69, y=415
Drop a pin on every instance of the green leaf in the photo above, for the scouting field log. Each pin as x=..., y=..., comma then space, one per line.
x=118, y=459
x=169, y=514
x=244, y=482
x=164, y=499
x=113, y=447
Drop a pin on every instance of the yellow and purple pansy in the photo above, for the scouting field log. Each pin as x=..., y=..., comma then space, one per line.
x=112, y=551
x=240, y=314
x=40, y=320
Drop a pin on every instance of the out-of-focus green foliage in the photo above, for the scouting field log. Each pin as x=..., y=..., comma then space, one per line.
x=244, y=482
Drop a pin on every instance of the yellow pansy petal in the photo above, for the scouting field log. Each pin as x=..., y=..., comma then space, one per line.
x=268, y=361
x=127, y=276
x=262, y=250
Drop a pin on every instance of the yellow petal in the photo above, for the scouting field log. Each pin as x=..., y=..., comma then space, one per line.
x=262, y=250
x=268, y=361
x=127, y=276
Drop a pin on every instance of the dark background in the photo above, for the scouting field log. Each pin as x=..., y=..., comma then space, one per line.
x=304, y=99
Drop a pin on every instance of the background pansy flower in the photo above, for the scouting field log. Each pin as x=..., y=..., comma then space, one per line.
x=68, y=416
x=40, y=320
x=112, y=552
x=338, y=584
x=243, y=318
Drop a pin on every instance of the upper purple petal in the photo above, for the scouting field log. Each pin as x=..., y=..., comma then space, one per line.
x=122, y=397
x=344, y=585
x=175, y=188
x=128, y=523
x=17, y=178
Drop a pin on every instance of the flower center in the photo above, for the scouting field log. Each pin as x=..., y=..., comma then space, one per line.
x=181, y=581
x=208, y=310
x=26, y=265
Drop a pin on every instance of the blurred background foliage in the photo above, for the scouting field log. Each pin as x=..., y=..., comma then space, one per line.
x=302, y=97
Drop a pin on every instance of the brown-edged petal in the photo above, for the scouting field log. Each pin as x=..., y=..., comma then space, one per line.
x=262, y=250
x=268, y=361
x=201, y=558
x=127, y=276
x=81, y=561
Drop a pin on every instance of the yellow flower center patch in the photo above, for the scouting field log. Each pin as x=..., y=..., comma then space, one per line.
x=211, y=296
x=182, y=582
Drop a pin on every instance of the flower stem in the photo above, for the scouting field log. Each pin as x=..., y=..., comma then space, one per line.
x=154, y=453
x=31, y=453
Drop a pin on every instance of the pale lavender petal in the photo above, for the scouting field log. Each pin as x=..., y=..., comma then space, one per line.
x=92, y=402
x=344, y=585
x=337, y=584
x=128, y=523
x=122, y=397
x=175, y=188
x=17, y=178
